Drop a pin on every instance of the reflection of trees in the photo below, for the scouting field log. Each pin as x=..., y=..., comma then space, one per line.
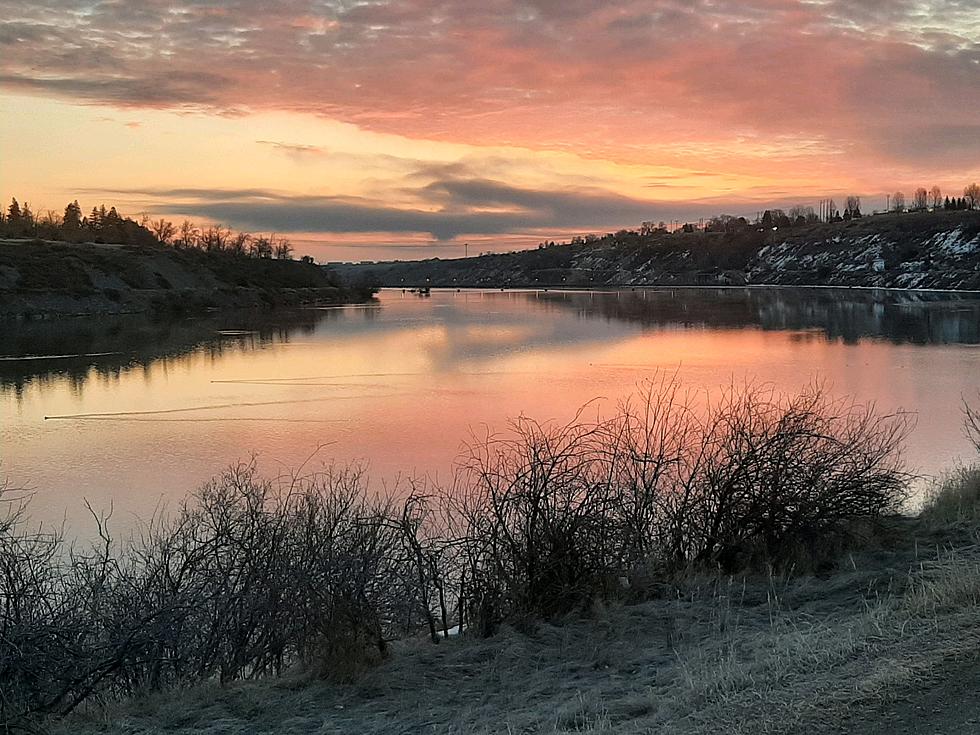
x=112, y=345
x=847, y=314
x=137, y=341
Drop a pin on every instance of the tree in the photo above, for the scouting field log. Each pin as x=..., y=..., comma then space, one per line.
x=801, y=214
x=188, y=235
x=937, y=195
x=853, y=206
x=898, y=201
x=72, y=220
x=972, y=195
x=215, y=238
x=163, y=230
x=921, y=199
x=13, y=212
x=28, y=222
x=261, y=247
x=283, y=249
x=239, y=243
x=833, y=215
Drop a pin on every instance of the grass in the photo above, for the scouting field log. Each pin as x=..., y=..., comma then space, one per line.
x=955, y=498
x=759, y=654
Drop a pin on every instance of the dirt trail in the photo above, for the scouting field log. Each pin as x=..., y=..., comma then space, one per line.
x=947, y=704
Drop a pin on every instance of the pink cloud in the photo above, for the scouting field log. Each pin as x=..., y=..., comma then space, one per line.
x=754, y=86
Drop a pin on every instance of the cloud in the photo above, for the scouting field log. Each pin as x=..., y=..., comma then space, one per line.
x=458, y=207
x=609, y=78
x=296, y=150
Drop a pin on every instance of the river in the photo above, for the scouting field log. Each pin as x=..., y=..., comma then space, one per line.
x=132, y=413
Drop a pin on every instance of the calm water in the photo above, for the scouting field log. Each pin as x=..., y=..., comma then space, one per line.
x=137, y=413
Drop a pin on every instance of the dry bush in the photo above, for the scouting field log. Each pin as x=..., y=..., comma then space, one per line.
x=771, y=473
x=971, y=424
x=249, y=577
x=552, y=515
x=244, y=580
x=956, y=497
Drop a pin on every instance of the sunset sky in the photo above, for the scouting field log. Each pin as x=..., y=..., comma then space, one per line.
x=405, y=129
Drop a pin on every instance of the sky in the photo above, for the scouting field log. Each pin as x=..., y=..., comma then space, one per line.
x=376, y=130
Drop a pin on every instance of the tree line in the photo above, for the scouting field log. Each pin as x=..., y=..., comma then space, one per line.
x=933, y=198
x=827, y=210
x=106, y=225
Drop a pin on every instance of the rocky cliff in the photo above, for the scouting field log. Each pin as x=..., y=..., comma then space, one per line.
x=938, y=250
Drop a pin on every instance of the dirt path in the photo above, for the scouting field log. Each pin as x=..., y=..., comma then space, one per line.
x=948, y=704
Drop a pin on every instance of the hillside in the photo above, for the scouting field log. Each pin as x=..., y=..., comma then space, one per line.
x=42, y=277
x=915, y=250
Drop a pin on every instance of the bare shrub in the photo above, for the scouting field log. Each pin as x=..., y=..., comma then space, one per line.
x=539, y=506
x=971, y=425
x=771, y=472
x=249, y=577
x=244, y=580
x=554, y=514
x=956, y=496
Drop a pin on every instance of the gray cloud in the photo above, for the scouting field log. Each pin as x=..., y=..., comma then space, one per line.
x=466, y=207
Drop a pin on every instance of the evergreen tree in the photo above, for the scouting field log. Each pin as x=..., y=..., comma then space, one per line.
x=73, y=217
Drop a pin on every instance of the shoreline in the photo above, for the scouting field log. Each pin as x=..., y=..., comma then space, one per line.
x=663, y=287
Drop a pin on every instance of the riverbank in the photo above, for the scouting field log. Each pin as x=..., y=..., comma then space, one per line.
x=41, y=278
x=603, y=582
x=924, y=250
x=894, y=624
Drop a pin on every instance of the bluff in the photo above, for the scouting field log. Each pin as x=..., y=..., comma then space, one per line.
x=926, y=250
x=43, y=277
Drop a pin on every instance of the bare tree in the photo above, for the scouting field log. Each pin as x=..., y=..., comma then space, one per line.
x=188, y=235
x=215, y=238
x=239, y=243
x=972, y=195
x=898, y=202
x=163, y=230
x=261, y=247
x=936, y=195
x=921, y=199
x=283, y=249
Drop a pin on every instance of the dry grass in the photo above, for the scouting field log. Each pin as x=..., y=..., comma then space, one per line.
x=748, y=654
x=955, y=498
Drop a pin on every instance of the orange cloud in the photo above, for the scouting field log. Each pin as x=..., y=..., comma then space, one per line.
x=767, y=98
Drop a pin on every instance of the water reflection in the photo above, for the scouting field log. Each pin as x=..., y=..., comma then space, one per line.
x=148, y=410
x=76, y=350
x=846, y=314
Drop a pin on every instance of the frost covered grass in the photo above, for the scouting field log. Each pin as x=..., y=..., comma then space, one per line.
x=757, y=653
